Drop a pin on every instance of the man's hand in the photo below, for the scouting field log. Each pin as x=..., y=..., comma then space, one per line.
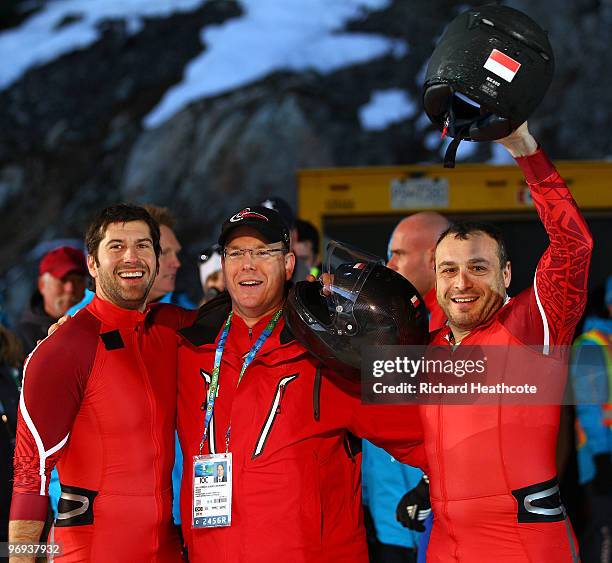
x=520, y=142
x=56, y=325
x=414, y=507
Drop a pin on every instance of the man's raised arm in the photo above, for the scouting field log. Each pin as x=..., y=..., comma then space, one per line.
x=561, y=277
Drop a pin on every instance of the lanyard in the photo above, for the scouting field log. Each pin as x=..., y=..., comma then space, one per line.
x=214, y=379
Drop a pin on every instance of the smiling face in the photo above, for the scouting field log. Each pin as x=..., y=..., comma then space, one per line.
x=470, y=283
x=125, y=266
x=257, y=287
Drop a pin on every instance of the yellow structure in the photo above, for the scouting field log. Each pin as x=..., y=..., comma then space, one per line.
x=469, y=188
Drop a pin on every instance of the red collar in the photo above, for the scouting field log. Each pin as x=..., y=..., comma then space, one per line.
x=116, y=316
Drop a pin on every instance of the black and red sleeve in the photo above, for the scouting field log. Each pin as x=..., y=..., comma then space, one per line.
x=54, y=381
x=559, y=292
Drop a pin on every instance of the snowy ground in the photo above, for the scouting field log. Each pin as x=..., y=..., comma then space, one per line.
x=385, y=108
x=272, y=35
x=42, y=38
x=289, y=35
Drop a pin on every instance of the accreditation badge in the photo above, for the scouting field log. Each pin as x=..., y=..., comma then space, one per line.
x=211, y=499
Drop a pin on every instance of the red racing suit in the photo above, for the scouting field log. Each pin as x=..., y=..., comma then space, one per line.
x=295, y=492
x=485, y=460
x=99, y=399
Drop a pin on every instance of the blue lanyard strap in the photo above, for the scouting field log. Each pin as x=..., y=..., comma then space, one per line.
x=214, y=379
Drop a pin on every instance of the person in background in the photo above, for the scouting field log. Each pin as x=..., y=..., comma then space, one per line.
x=591, y=374
x=211, y=275
x=385, y=480
x=286, y=212
x=303, y=263
x=164, y=288
x=61, y=284
x=411, y=253
x=11, y=360
x=306, y=248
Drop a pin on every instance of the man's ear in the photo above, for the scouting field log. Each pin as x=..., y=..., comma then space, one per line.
x=507, y=273
x=91, y=266
x=289, y=265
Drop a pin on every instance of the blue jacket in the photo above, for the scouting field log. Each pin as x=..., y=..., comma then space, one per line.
x=591, y=376
x=385, y=481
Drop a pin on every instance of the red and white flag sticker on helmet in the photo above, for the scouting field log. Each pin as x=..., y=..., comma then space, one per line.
x=502, y=65
x=246, y=213
x=359, y=266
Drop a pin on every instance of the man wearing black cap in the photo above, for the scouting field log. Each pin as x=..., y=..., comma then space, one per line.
x=61, y=284
x=252, y=397
x=256, y=283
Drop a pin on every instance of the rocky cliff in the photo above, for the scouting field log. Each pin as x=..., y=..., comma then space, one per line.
x=73, y=135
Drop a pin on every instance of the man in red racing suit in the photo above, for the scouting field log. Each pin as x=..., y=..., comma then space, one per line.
x=99, y=399
x=487, y=463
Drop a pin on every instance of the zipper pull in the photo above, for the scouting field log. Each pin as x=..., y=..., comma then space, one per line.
x=280, y=400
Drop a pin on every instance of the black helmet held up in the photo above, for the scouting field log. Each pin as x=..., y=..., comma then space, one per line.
x=488, y=73
x=368, y=305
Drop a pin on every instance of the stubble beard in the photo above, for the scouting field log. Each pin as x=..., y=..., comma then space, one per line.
x=469, y=321
x=133, y=298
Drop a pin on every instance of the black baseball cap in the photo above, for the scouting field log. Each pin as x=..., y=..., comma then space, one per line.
x=267, y=222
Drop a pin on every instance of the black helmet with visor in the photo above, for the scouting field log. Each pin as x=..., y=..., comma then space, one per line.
x=362, y=303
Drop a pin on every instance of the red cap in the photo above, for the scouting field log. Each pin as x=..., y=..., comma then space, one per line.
x=62, y=261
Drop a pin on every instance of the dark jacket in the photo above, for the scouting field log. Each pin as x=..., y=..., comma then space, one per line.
x=34, y=323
